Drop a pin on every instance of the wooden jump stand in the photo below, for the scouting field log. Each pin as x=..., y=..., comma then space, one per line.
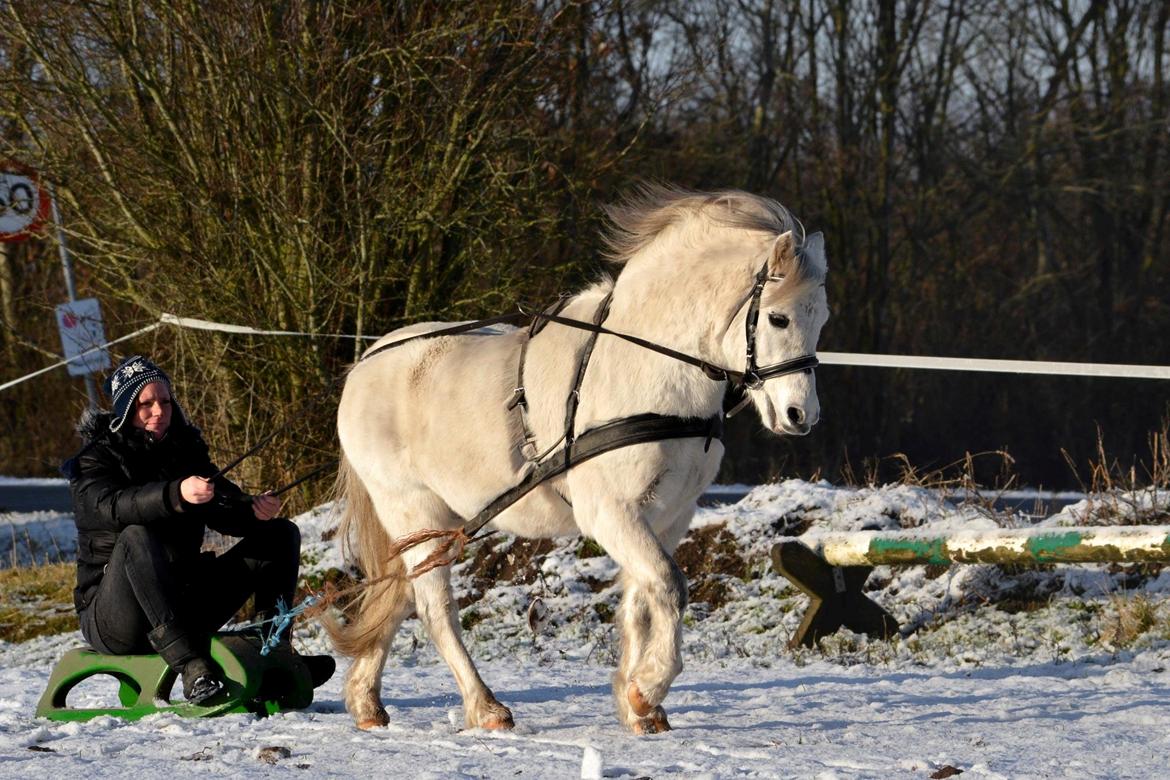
x=832, y=568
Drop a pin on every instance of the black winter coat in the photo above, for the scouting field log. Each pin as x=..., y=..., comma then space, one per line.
x=127, y=478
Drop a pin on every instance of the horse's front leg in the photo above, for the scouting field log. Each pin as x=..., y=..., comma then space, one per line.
x=438, y=613
x=649, y=618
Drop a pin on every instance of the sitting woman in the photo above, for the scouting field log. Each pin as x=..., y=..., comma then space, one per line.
x=144, y=489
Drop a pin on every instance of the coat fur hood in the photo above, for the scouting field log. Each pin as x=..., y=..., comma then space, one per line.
x=92, y=423
x=94, y=426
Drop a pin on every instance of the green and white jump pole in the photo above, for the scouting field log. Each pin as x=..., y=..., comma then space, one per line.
x=832, y=567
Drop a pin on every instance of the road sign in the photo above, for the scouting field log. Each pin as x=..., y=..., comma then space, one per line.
x=24, y=205
x=80, y=324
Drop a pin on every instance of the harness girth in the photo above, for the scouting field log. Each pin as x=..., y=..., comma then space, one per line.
x=639, y=429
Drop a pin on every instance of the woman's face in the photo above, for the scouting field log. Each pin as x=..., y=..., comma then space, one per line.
x=152, y=409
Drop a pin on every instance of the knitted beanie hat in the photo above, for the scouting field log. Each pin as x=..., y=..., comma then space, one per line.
x=127, y=381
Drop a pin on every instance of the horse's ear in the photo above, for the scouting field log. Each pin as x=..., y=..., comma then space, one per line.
x=814, y=254
x=783, y=257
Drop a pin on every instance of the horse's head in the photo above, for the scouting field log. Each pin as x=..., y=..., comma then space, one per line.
x=792, y=310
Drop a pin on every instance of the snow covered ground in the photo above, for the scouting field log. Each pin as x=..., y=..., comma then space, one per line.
x=1055, y=689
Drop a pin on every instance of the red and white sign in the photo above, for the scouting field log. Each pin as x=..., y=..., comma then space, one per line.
x=80, y=324
x=24, y=204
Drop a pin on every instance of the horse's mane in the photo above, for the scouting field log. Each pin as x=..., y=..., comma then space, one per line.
x=640, y=218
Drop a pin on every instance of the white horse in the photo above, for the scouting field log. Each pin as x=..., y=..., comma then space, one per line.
x=428, y=439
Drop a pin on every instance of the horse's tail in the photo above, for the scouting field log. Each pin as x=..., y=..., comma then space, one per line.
x=366, y=544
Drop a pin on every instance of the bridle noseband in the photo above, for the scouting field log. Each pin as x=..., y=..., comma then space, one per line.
x=753, y=377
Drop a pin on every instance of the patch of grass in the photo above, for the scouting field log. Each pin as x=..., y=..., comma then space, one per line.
x=1127, y=619
x=38, y=601
x=590, y=549
x=469, y=618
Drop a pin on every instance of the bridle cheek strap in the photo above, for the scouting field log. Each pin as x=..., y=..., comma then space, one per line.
x=754, y=377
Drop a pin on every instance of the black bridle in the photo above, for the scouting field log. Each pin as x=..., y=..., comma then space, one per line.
x=752, y=378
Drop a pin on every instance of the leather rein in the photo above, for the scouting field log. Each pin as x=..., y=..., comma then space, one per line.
x=752, y=378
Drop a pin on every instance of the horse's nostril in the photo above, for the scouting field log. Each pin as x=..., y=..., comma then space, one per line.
x=795, y=415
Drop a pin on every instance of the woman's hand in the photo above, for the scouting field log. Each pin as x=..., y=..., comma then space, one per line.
x=196, y=490
x=265, y=506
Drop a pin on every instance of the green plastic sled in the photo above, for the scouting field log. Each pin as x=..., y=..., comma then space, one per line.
x=254, y=683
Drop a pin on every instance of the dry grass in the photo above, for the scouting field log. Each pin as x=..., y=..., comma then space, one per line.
x=1108, y=474
x=1128, y=494
x=1127, y=618
x=38, y=600
x=954, y=481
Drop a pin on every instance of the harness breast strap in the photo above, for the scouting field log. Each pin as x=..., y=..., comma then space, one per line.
x=639, y=429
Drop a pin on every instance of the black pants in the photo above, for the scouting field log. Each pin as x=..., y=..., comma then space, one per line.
x=142, y=589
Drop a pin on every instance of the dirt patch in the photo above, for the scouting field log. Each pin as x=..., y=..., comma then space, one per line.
x=510, y=560
x=711, y=560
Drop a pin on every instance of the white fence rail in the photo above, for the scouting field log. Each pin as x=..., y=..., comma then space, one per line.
x=1045, y=367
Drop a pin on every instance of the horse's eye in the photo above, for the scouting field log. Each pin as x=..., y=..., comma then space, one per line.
x=778, y=320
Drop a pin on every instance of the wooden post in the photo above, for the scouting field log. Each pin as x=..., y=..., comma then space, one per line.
x=835, y=597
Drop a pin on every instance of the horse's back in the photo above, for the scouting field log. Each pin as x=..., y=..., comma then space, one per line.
x=416, y=329
x=432, y=412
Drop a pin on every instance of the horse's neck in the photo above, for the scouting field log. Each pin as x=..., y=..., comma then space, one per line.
x=686, y=307
x=684, y=289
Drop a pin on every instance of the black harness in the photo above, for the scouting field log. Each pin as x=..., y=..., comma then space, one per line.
x=638, y=429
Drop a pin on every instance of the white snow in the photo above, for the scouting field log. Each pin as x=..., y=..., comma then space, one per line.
x=1050, y=692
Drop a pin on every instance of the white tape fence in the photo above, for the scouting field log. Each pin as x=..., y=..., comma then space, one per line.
x=1045, y=367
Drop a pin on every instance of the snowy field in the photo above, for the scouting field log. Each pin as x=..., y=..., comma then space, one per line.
x=1052, y=691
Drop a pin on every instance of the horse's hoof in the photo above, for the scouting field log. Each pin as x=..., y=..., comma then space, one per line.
x=381, y=719
x=493, y=716
x=637, y=702
x=499, y=722
x=654, y=723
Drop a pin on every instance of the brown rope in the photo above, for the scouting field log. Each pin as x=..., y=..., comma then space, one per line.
x=447, y=553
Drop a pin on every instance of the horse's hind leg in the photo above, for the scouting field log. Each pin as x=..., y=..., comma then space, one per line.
x=437, y=611
x=363, y=683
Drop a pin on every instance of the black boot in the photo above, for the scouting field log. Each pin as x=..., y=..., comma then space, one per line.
x=321, y=667
x=201, y=678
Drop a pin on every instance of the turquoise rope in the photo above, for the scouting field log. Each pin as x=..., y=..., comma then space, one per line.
x=281, y=620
